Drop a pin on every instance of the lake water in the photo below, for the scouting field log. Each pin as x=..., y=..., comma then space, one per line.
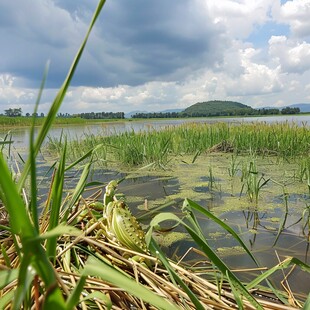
x=20, y=136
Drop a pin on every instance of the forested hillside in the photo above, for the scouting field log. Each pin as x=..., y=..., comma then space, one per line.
x=218, y=108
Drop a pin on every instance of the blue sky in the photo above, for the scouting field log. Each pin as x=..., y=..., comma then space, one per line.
x=156, y=55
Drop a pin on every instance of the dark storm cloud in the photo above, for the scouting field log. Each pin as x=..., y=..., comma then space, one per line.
x=134, y=41
x=161, y=40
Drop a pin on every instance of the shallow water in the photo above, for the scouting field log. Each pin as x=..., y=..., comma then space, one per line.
x=257, y=224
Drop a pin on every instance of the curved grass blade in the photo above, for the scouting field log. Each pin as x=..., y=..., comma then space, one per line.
x=7, y=276
x=307, y=303
x=109, y=273
x=284, y=264
x=197, y=236
x=173, y=275
x=189, y=204
x=59, y=98
x=74, y=297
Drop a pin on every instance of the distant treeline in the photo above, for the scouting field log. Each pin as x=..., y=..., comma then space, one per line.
x=102, y=115
x=121, y=115
x=236, y=112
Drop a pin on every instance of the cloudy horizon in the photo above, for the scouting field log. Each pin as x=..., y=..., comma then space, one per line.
x=155, y=55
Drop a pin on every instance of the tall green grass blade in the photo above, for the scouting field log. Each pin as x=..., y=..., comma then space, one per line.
x=119, y=279
x=58, y=99
x=197, y=236
x=189, y=204
x=34, y=259
x=74, y=297
x=7, y=276
x=235, y=293
x=19, y=220
x=173, y=275
x=56, y=195
x=222, y=267
x=6, y=299
x=32, y=159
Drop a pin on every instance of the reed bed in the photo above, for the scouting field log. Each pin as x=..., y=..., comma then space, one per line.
x=284, y=140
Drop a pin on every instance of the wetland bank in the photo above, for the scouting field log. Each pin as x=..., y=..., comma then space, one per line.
x=67, y=249
x=253, y=176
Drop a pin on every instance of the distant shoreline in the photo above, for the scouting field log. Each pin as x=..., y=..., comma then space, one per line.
x=20, y=122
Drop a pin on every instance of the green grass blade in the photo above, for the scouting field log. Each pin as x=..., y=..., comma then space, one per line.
x=173, y=275
x=25, y=278
x=58, y=99
x=56, y=194
x=7, y=276
x=284, y=264
x=74, y=297
x=79, y=187
x=222, y=267
x=189, y=204
x=19, y=219
x=6, y=299
x=307, y=304
x=197, y=236
x=235, y=293
x=88, y=154
x=59, y=230
x=110, y=274
x=32, y=159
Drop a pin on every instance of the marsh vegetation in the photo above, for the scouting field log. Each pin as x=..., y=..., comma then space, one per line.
x=59, y=252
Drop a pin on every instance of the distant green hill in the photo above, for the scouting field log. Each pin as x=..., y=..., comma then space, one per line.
x=217, y=108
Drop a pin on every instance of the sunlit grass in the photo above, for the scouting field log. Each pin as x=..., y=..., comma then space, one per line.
x=283, y=140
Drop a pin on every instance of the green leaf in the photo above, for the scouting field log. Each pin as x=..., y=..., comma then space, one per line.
x=6, y=299
x=58, y=99
x=74, y=297
x=197, y=236
x=7, y=276
x=117, y=278
x=307, y=304
x=56, y=197
x=195, y=206
x=173, y=275
x=100, y=296
x=284, y=264
x=61, y=229
x=19, y=219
